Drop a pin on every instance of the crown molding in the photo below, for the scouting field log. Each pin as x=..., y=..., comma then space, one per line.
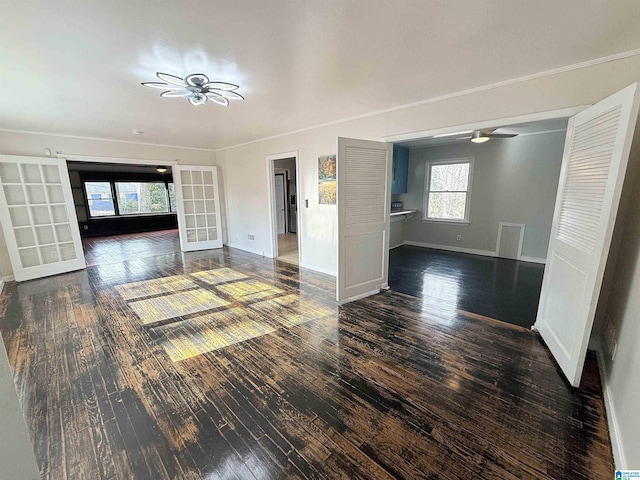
x=461, y=93
x=80, y=137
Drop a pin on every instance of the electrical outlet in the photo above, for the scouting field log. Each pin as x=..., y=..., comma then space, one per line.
x=251, y=237
x=459, y=237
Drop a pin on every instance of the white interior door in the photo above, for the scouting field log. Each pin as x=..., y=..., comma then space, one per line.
x=280, y=203
x=364, y=203
x=38, y=217
x=594, y=164
x=198, y=204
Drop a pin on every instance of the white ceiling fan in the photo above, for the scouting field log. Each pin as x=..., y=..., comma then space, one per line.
x=481, y=136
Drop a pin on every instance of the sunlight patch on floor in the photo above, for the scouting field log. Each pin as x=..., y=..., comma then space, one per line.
x=246, y=309
x=148, y=288
x=175, y=305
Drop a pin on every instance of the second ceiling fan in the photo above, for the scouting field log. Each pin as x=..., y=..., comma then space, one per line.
x=481, y=136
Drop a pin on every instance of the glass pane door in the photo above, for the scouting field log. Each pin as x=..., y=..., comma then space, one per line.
x=38, y=217
x=196, y=190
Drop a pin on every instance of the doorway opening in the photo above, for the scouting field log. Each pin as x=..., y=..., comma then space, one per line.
x=470, y=222
x=124, y=211
x=283, y=188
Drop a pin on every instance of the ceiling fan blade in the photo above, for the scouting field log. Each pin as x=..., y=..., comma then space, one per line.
x=219, y=99
x=176, y=93
x=171, y=79
x=227, y=94
x=501, y=135
x=221, y=86
x=163, y=86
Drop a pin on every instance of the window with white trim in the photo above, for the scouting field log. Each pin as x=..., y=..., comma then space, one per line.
x=447, y=194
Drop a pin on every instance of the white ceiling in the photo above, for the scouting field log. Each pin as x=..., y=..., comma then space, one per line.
x=531, y=128
x=75, y=67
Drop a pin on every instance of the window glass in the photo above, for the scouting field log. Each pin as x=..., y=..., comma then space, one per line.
x=452, y=177
x=99, y=199
x=172, y=197
x=447, y=191
x=141, y=197
x=447, y=205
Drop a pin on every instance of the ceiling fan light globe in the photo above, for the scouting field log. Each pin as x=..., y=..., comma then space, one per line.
x=479, y=137
x=197, y=79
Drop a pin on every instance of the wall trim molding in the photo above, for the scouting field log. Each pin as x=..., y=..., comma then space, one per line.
x=247, y=249
x=98, y=139
x=619, y=459
x=98, y=159
x=435, y=246
x=2, y=281
x=541, y=260
x=317, y=269
x=461, y=93
x=362, y=295
x=472, y=251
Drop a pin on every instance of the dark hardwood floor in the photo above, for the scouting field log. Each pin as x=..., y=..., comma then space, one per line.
x=148, y=369
x=132, y=246
x=499, y=288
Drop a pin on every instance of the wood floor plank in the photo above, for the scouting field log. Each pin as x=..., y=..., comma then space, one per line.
x=278, y=381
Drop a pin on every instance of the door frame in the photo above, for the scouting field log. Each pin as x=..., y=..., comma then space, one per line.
x=271, y=187
x=71, y=157
x=532, y=117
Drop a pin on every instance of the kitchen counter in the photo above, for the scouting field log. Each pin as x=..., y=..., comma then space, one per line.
x=395, y=213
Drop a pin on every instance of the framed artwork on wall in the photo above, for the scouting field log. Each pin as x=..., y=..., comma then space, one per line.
x=327, y=180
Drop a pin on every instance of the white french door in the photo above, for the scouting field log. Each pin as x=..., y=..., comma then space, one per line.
x=594, y=164
x=38, y=217
x=364, y=202
x=198, y=205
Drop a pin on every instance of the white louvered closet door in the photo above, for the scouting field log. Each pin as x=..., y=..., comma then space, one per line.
x=364, y=202
x=594, y=164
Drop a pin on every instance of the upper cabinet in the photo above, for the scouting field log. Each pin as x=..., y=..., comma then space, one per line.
x=400, y=169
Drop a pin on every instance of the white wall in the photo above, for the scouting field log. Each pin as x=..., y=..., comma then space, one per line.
x=17, y=460
x=27, y=144
x=621, y=302
x=245, y=166
x=515, y=180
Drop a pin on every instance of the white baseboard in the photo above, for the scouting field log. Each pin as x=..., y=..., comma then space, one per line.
x=619, y=459
x=472, y=251
x=485, y=253
x=315, y=268
x=1, y=285
x=396, y=246
x=246, y=249
x=358, y=297
x=533, y=259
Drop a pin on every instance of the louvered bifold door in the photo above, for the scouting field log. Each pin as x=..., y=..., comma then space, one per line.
x=364, y=202
x=38, y=217
x=594, y=164
x=198, y=205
